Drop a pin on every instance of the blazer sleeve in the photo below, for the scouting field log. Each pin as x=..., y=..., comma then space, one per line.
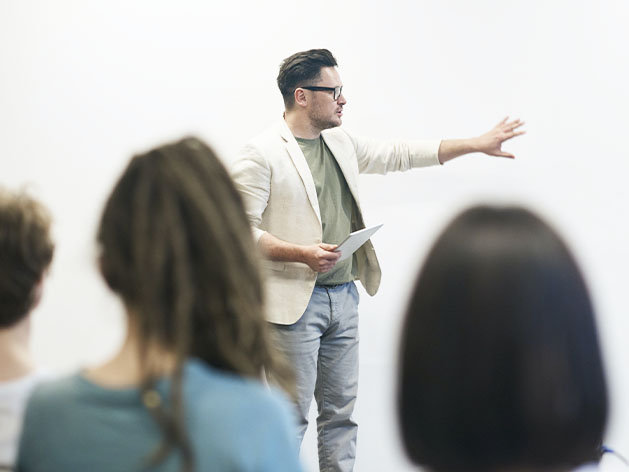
x=380, y=157
x=251, y=173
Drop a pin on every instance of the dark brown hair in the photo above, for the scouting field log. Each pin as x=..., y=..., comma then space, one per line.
x=302, y=68
x=500, y=361
x=177, y=247
x=26, y=250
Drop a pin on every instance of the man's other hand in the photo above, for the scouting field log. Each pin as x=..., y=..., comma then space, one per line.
x=320, y=257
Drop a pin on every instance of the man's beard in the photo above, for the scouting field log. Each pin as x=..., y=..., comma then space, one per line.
x=321, y=122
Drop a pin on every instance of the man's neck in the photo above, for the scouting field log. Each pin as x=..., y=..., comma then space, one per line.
x=300, y=126
x=15, y=356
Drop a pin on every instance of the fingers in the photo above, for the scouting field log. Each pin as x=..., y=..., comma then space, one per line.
x=512, y=125
x=503, y=131
x=328, y=251
x=509, y=130
x=326, y=257
x=330, y=256
x=321, y=257
x=506, y=125
x=515, y=124
x=326, y=268
x=504, y=154
x=328, y=247
x=512, y=134
x=327, y=265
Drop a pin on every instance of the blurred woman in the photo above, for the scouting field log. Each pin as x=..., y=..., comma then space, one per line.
x=500, y=362
x=184, y=391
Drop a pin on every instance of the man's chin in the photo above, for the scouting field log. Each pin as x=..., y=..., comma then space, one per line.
x=334, y=123
x=329, y=124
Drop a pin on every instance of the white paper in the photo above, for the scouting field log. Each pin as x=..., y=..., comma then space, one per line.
x=356, y=239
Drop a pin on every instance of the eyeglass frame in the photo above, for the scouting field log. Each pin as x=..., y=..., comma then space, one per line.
x=316, y=88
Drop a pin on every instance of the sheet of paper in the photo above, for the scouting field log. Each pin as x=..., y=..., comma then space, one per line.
x=356, y=239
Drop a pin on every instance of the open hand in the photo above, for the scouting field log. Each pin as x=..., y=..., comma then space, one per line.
x=491, y=142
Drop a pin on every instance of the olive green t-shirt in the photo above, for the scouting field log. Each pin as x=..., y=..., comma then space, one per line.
x=335, y=204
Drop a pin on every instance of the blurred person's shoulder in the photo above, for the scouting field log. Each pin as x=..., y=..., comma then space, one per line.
x=218, y=389
x=14, y=395
x=53, y=392
x=24, y=384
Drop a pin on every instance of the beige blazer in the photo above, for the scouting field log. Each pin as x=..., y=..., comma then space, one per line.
x=280, y=197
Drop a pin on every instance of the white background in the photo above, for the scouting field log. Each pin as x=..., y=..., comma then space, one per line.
x=83, y=85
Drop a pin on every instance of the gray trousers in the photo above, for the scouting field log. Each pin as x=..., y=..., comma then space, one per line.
x=323, y=348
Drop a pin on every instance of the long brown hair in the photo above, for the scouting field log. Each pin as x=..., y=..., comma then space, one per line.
x=177, y=247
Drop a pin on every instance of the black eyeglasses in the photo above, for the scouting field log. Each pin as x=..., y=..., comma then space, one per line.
x=336, y=91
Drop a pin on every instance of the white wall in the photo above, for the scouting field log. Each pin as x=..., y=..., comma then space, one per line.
x=83, y=85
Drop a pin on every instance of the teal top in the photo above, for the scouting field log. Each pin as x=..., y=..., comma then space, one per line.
x=233, y=423
x=335, y=204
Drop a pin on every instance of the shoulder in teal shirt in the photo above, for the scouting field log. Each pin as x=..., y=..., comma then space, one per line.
x=233, y=423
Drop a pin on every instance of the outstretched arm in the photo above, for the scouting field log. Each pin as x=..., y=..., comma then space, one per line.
x=489, y=143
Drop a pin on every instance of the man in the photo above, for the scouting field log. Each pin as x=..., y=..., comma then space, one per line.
x=299, y=182
x=26, y=251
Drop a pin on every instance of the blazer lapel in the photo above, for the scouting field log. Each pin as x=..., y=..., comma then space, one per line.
x=300, y=163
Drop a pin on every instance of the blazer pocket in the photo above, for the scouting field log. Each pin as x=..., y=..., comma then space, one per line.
x=286, y=268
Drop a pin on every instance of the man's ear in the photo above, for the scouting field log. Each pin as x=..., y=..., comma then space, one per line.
x=300, y=97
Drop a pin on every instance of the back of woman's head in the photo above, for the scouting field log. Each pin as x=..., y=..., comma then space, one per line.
x=176, y=246
x=500, y=362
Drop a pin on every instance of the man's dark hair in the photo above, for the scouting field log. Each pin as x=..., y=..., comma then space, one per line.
x=26, y=251
x=500, y=363
x=301, y=69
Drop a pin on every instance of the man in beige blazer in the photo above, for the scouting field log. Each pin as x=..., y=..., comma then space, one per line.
x=299, y=182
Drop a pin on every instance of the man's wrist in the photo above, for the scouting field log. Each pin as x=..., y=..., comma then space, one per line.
x=474, y=144
x=452, y=148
